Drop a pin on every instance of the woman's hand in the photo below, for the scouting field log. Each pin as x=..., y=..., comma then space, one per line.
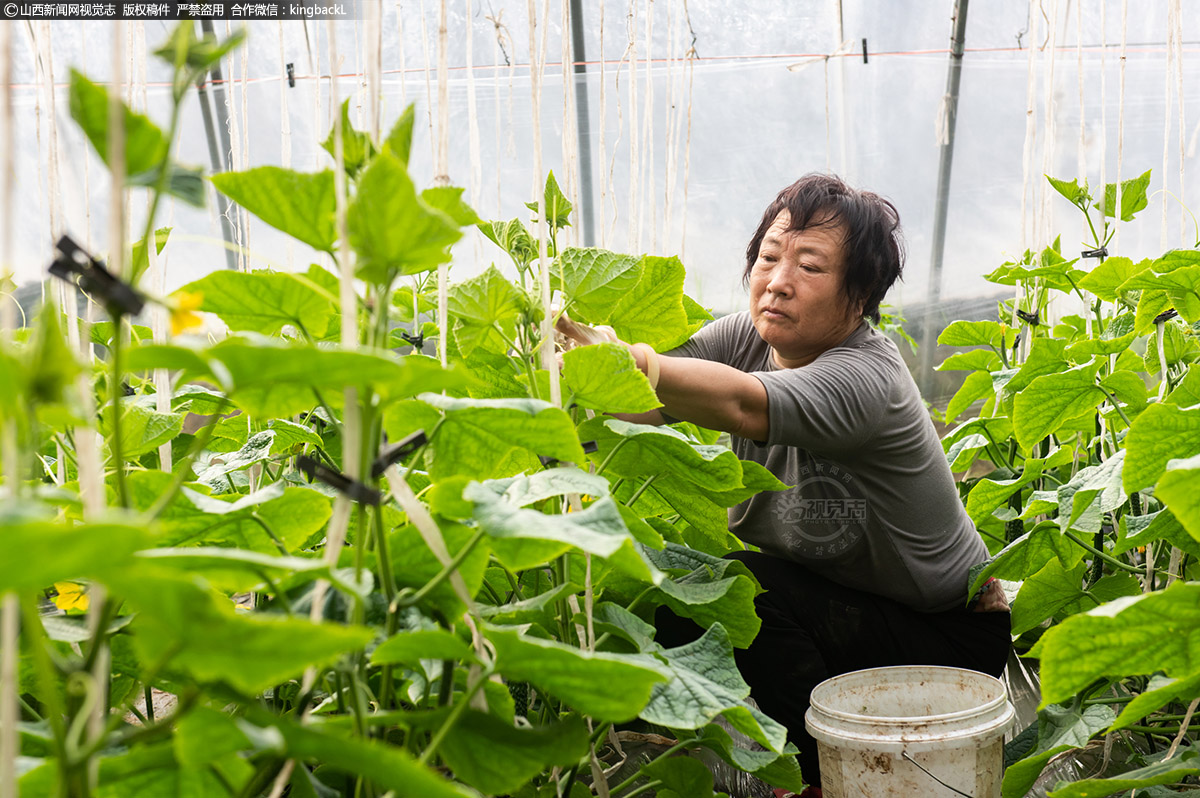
x=574, y=333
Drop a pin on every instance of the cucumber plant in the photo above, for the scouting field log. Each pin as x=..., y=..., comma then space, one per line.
x=363, y=573
x=1087, y=444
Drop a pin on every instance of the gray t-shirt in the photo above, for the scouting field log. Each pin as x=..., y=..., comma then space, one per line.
x=874, y=506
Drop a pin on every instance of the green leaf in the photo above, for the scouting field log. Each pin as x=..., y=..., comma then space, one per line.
x=1179, y=488
x=414, y=646
x=1187, y=391
x=301, y=205
x=294, y=514
x=264, y=301
x=392, y=229
x=1051, y=400
x=204, y=735
x=256, y=450
x=49, y=365
x=1133, y=197
x=289, y=436
x=1135, y=635
x=558, y=208
x=1139, y=530
x=1076, y=194
x=1060, y=729
x=705, y=684
x=399, y=139
x=487, y=438
x=145, y=144
x=988, y=494
x=357, y=148
x=606, y=377
x=778, y=771
x=139, y=259
x=1150, y=305
x=653, y=311
x=1159, y=692
x=1182, y=286
x=498, y=758
x=144, y=430
x=1028, y=554
x=1106, y=279
x=238, y=570
x=708, y=590
x=595, y=281
x=973, y=333
x=34, y=554
x=681, y=777
x=1054, y=589
x=199, y=631
x=484, y=312
x=1159, y=434
x=388, y=766
x=976, y=386
x=448, y=200
x=1170, y=771
x=183, y=47
x=415, y=565
x=582, y=679
x=513, y=238
x=1103, y=481
x=972, y=360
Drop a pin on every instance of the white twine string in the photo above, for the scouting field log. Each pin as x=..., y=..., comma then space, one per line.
x=475, y=178
x=647, y=166
x=1167, y=91
x=602, y=149
x=400, y=54
x=687, y=146
x=1045, y=222
x=1120, y=202
x=1030, y=136
x=570, y=138
x=428, y=85
x=285, y=139
x=634, y=209
x=442, y=176
x=1177, y=8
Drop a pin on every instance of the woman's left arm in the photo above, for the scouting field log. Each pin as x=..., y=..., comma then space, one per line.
x=710, y=394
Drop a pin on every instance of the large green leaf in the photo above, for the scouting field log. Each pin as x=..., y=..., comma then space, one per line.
x=776, y=770
x=200, y=632
x=581, y=679
x=1103, y=481
x=1182, y=286
x=264, y=301
x=1051, y=400
x=681, y=777
x=1179, y=488
x=498, y=758
x=144, y=430
x=391, y=228
x=595, y=281
x=1168, y=771
x=1028, y=554
x=972, y=360
x=513, y=238
x=1159, y=434
x=653, y=311
x=256, y=450
x=1132, y=200
x=293, y=514
x=976, y=333
x=399, y=138
x=1133, y=635
x=36, y=553
x=976, y=386
x=205, y=734
x=988, y=493
x=705, y=684
x=300, y=204
x=1159, y=692
x=1106, y=280
x=484, y=312
x=708, y=590
x=145, y=143
x=606, y=377
x=414, y=564
x=238, y=570
x=1060, y=728
x=486, y=438
x=389, y=766
x=1054, y=589
x=414, y=646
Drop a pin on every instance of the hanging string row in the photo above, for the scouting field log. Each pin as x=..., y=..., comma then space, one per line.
x=1120, y=201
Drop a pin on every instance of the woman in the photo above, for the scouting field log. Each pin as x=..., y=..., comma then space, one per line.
x=865, y=560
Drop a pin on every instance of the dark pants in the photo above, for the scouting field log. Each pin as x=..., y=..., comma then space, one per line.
x=813, y=629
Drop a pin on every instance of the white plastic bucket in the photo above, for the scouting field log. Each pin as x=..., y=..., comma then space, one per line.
x=910, y=730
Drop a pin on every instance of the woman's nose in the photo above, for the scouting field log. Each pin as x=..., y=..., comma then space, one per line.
x=778, y=284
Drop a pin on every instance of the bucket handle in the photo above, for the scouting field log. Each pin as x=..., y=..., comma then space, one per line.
x=904, y=755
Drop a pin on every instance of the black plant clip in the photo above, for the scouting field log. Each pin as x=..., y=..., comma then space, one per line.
x=1166, y=315
x=393, y=453
x=291, y=75
x=1101, y=252
x=417, y=341
x=338, y=481
x=88, y=274
x=1031, y=319
x=589, y=447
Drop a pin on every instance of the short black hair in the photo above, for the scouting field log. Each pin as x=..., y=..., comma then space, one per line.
x=873, y=245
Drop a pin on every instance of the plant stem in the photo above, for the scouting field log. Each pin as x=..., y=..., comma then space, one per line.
x=115, y=393
x=608, y=458
x=1108, y=558
x=183, y=468
x=411, y=599
x=644, y=788
x=456, y=712
x=637, y=494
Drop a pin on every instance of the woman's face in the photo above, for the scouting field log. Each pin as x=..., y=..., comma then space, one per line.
x=796, y=298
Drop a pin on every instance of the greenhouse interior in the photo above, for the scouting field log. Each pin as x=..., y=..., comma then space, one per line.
x=554, y=399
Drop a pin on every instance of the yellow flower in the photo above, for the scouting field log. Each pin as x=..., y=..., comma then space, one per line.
x=183, y=315
x=72, y=597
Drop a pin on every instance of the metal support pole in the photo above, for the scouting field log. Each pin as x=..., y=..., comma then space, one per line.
x=933, y=295
x=225, y=206
x=583, y=129
x=214, y=155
